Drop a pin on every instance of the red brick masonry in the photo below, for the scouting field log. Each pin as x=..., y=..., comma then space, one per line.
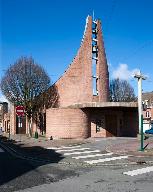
x=76, y=87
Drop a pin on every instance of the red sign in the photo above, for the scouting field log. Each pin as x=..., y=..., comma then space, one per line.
x=20, y=110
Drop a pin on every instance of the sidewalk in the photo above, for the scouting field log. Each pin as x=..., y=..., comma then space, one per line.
x=28, y=147
x=124, y=145
x=43, y=141
x=133, y=147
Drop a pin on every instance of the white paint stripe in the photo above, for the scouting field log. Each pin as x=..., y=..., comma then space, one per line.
x=106, y=159
x=53, y=148
x=139, y=171
x=1, y=150
x=68, y=150
x=89, y=156
x=63, y=147
x=77, y=153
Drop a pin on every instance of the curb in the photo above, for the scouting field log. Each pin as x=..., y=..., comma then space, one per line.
x=54, y=143
x=39, y=160
x=20, y=155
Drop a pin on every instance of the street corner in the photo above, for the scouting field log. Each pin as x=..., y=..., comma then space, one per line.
x=138, y=157
x=134, y=152
x=142, y=153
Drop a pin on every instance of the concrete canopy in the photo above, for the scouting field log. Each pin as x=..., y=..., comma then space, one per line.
x=105, y=104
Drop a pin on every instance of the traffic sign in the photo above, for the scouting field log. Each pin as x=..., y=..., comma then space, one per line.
x=20, y=110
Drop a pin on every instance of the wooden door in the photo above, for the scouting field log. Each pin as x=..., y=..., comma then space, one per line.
x=20, y=125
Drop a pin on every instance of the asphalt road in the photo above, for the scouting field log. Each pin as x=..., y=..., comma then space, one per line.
x=100, y=179
x=79, y=168
x=18, y=174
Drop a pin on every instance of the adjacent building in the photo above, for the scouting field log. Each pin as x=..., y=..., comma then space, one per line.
x=147, y=99
x=3, y=111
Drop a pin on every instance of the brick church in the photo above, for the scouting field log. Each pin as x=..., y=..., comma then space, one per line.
x=83, y=107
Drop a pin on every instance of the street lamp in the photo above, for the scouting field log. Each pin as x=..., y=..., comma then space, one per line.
x=140, y=77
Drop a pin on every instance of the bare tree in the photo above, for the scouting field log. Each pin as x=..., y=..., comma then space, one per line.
x=48, y=99
x=25, y=83
x=121, y=91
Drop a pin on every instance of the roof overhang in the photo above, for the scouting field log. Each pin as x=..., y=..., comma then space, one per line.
x=105, y=105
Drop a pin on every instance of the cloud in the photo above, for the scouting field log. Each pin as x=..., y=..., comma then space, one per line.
x=122, y=72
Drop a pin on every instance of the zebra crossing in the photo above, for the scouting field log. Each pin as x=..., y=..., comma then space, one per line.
x=87, y=155
x=92, y=157
x=106, y=160
x=139, y=171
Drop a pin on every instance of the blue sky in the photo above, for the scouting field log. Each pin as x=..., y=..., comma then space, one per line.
x=51, y=31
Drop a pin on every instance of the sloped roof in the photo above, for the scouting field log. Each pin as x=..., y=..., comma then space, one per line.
x=147, y=96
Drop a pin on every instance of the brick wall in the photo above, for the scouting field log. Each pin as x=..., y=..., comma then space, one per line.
x=97, y=115
x=13, y=120
x=102, y=68
x=130, y=123
x=115, y=122
x=67, y=123
x=75, y=86
x=151, y=113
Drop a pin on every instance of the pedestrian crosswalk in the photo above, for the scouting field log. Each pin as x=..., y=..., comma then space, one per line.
x=64, y=147
x=87, y=155
x=96, y=156
x=139, y=171
x=82, y=152
x=69, y=150
x=106, y=160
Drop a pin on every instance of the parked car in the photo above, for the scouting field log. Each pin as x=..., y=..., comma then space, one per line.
x=149, y=131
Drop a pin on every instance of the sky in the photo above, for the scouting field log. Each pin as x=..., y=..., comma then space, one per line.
x=51, y=31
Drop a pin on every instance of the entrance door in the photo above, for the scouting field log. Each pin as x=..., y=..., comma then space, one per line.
x=111, y=125
x=20, y=125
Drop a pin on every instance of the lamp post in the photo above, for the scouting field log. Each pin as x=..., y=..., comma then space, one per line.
x=140, y=77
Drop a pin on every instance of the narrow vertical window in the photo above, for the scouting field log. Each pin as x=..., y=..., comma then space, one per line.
x=147, y=114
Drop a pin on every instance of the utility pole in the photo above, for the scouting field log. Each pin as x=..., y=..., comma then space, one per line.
x=140, y=77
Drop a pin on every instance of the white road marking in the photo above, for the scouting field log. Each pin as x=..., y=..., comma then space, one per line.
x=89, y=156
x=63, y=147
x=69, y=150
x=139, y=171
x=1, y=150
x=106, y=159
x=77, y=153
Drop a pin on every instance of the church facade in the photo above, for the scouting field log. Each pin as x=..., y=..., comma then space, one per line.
x=83, y=108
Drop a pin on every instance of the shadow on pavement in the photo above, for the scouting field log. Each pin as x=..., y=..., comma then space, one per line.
x=22, y=159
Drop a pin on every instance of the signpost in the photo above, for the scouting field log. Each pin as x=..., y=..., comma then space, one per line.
x=20, y=110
